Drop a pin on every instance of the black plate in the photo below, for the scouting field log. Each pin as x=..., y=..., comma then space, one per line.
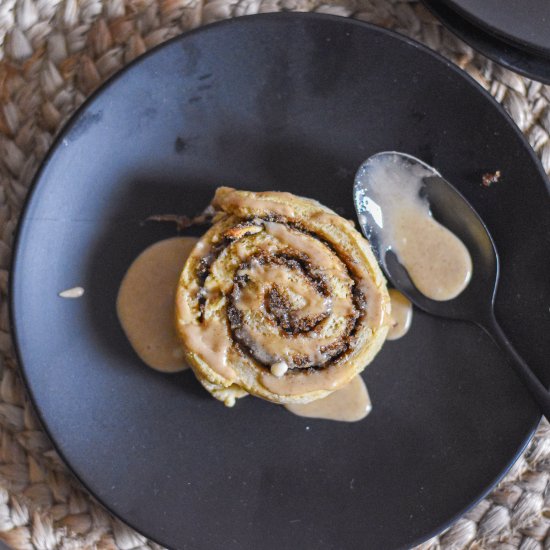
x=290, y=102
x=506, y=54
x=525, y=23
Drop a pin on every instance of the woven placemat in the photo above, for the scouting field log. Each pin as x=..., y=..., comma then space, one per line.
x=53, y=53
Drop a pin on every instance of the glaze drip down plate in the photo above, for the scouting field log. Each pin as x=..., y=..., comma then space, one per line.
x=290, y=102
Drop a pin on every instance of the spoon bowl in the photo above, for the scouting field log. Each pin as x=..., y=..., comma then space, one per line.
x=476, y=302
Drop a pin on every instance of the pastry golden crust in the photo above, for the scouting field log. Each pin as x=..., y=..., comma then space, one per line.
x=281, y=298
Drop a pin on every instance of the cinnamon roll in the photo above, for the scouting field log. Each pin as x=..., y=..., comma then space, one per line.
x=281, y=298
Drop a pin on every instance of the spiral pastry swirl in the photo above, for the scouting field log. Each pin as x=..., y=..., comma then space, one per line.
x=281, y=298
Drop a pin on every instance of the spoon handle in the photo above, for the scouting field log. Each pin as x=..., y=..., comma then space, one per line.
x=538, y=391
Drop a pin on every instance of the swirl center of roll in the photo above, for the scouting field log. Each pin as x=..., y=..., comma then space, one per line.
x=292, y=301
x=291, y=296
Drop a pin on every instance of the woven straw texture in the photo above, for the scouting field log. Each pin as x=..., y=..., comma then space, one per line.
x=53, y=54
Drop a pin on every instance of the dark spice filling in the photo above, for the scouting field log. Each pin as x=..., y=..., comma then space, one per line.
x=276, y=305
x=279, y=307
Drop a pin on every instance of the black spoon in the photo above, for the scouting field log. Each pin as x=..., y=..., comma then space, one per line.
x=476, y=302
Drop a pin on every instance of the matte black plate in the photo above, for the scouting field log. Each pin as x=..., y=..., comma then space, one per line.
x=289, y=102
x=525, y=23
x=510, y=56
